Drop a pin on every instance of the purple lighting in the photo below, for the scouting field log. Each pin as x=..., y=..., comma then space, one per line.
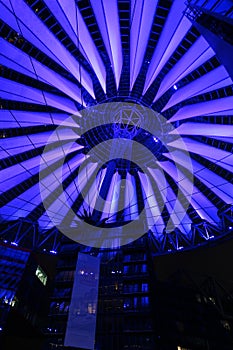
x=79, y=147
x=216, y=79
x=198, y=53
x=32, y=29
x=142, y=15
x=203, y=108
x=174, y=30
x=106, y=13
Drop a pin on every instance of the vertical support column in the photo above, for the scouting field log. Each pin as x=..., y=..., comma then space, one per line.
x=81, y=325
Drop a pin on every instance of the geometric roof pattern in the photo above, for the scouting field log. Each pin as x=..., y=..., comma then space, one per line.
x=127, y=107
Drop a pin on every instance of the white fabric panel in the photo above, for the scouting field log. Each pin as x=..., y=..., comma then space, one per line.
x=131, y=213
x=15, y=119
x=45, y=222
x=59, y=208
x=198, y=53
x=69, y=8
x=58, y=153
x=90, y=51
x=15, y=174
x=9, y=63
x=201, y=204
x=174, y=30
x=65, y=15
x=50, y=77
x=227, y=112
x=225, y=191
x=90, y=199
x=79, y=34
x=222, y=105
x=7, y=15
x=151, y=206
x=203, y=149
x=85, y=175
x=213, y=80
x=13, y=151
x=13, y=213
x=71, y=191
x=224, y=163
x=115, y=197
x=142, y=16
x=107, y=212
x=37, y=140
x=18, y=92
x=204, y=129
x=213, y=181
x=178, y=216
x=33, y=28
x=106, y=13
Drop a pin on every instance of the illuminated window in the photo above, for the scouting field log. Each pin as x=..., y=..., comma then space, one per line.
x=145, y=301
x=212, y=300
x=145, y=287
x=91, y=308
x=41, y=275
x=226, y=325
x=14, y=301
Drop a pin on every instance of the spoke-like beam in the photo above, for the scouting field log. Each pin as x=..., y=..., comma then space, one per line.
x=198, y=53
x=106, y=13
x=214, y=80
x=174, y=30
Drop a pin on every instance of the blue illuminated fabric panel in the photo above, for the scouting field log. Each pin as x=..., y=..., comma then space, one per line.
x=58, y=60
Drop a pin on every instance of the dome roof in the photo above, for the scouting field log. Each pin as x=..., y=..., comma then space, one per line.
x=116, y=120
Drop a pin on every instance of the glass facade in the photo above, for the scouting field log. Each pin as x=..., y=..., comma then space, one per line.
x=12, y=267
x=24, y=291
x=125, y=298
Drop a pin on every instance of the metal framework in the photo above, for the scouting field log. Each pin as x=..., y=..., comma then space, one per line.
x=58, y=62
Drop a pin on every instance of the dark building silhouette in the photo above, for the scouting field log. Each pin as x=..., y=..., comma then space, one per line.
x=25, y=290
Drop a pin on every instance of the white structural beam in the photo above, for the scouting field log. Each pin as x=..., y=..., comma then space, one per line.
x=200, y=203
x=198, y=53
x=33, y=29
x=16, y=59
x=216, y=79
x=106, y=13
x=16, y=119
x=18, y=92
x=142, y=16
x=204, y=129
x=221, y=106
x=174, y=30
x=69, y=17
x=213, y=153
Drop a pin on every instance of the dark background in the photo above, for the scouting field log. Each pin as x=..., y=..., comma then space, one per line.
x=215, y=260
